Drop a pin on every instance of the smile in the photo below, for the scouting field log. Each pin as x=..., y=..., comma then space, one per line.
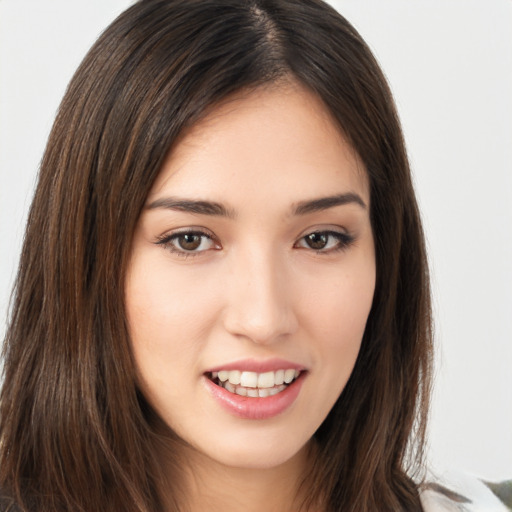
x=253, y=384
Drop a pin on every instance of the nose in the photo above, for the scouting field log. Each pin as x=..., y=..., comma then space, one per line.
x=259, y=299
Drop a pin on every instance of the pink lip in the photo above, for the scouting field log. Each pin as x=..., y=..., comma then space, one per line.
x=256, y=408
x=252, y=365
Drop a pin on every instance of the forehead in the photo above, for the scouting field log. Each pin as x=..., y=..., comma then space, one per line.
x=277, y=141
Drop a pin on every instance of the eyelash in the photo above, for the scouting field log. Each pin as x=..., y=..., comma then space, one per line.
x=169, y=242
x=343, y=241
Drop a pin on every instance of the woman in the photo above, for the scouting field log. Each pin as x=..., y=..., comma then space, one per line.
x=224, y=209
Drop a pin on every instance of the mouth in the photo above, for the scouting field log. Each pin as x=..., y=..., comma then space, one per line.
x=254, y=384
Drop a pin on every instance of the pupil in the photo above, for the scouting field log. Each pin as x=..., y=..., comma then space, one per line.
x=189, y=242
x=317, y=240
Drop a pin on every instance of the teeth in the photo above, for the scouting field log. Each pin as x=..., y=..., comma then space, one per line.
x=249, y=379
x=257, y=380
x=234, y=377
x=241, y=391
x=274, y=391
x=266, y=380
x=254, y=384
x=289, y=375
x=229, y=387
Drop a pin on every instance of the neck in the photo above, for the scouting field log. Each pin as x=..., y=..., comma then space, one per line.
x=214, y=486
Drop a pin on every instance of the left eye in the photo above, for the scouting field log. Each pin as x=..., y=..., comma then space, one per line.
x=324, y=241
x=188, y=242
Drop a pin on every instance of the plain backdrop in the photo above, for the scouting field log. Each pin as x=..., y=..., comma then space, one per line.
x=449, y=63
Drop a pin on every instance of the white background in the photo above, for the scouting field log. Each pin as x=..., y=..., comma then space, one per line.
x=449, y=63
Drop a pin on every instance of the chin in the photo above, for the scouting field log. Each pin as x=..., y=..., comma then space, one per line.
x=256, y=450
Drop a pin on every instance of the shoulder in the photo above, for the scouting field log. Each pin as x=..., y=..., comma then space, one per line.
x=459, y=492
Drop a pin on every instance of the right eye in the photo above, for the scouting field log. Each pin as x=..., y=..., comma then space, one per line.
x=188, y=243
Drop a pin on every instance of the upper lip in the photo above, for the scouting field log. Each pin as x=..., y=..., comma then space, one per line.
x=258, y=366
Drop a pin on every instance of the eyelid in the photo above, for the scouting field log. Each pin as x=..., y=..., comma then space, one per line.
x=324, y=228
x=184, y=231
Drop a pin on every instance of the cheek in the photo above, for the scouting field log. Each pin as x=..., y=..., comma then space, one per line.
x=165, y=329
x=335, y=315
x=166, y=334
x=162, y=307
x=338, y=307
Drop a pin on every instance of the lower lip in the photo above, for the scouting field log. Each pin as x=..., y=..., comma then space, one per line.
x=256, y=408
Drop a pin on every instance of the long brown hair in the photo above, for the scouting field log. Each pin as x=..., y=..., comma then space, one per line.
x=75, y=432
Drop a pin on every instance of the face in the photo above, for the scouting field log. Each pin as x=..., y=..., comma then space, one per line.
x=251, y=277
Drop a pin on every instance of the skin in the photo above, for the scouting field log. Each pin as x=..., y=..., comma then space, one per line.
x=254, y=289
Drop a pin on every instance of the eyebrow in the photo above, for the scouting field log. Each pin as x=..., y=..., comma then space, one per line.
x=324, y=203
x=216, y=209
x=191, y=206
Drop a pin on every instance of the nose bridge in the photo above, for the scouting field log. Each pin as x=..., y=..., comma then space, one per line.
x=259, y=300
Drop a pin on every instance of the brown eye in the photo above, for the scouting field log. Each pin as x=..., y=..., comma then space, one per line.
x=325, y=241
x=317, y=241
x=189, y=242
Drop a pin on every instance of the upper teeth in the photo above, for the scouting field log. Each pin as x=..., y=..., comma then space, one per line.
x=257, y=380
